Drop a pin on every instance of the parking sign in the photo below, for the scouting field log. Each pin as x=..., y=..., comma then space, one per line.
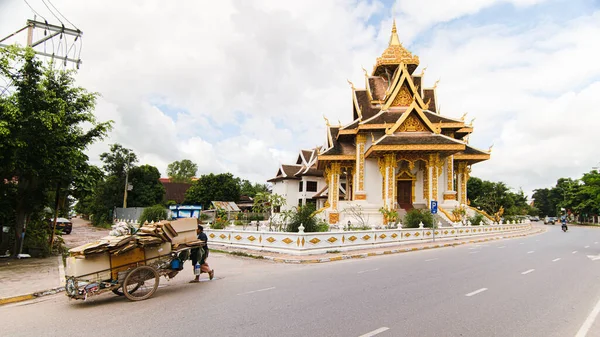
x=434, y=207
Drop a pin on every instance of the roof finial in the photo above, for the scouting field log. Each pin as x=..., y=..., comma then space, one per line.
x=490, y=149
x=394, y=40
x=351, y=84
x=326, y=120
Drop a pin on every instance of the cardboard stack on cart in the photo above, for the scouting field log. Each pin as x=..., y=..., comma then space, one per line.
x=104, y=259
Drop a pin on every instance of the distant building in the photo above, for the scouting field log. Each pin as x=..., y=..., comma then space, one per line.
x=174, y=191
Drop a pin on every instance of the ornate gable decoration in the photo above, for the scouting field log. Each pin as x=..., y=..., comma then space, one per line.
x=403, y=98
x=412, y=124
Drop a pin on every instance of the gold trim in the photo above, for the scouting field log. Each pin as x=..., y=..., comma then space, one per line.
x=471, y=156
x=361, y=197
x=371, y=126
x=449, y=197
x=348, y=132
x=415, y=147
x=336, y=157
x=453, y=125
x=334, y=218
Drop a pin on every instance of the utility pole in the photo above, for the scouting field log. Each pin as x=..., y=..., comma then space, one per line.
x=126, y=181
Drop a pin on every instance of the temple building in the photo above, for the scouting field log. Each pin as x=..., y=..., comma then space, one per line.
x=398, y=152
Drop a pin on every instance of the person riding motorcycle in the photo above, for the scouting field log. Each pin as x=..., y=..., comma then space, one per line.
x=563, y=221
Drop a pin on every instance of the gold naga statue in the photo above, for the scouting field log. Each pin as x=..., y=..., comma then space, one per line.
x=499, y=214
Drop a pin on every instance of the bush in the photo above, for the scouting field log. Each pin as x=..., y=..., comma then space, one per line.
x=303, y=215
x=477, y=220
x=153, y=213
x=37, y=238
x=322, y=226
x=415, y=216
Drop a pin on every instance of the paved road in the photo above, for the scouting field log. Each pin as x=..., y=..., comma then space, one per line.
x=83, y=233
x=542, y=285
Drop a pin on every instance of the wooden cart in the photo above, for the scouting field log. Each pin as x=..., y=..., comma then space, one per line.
x=136, y=279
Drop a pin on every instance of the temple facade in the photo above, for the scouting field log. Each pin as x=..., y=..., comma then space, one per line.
x=397, y=153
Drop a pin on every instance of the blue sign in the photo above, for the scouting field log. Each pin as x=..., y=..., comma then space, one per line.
x=434, y=207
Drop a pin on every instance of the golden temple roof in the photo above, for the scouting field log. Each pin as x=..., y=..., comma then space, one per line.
x=395, y=53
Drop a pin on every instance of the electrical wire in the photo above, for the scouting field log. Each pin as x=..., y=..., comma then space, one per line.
x=62, y=15
x=51, y=12
x=34, y=12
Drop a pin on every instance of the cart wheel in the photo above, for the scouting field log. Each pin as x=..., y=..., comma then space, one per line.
x=140, y=283
x=119, y=291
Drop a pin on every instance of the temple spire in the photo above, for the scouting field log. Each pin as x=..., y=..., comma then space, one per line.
x=394, y=40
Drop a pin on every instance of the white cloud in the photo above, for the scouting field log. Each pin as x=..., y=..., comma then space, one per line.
x=239, y=86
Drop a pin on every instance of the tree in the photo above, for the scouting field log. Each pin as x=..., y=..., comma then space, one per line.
x=213, y=187
x=249, y=189
x=42, y=139
x=84, y=186
x=118, y=160
x=147, y=189
x=182, y=171
x=268, y=203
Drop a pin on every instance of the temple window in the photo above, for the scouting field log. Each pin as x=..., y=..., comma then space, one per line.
x=311, y=186
x=300, y=186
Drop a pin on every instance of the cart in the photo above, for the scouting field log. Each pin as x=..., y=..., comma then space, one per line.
x=137, y=280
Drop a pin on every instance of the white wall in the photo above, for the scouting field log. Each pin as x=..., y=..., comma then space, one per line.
x=373, y=182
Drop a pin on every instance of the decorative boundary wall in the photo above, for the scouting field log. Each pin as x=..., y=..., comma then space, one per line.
x=322, y=242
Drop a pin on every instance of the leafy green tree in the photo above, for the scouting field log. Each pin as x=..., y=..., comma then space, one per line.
x=249, y=189
x=543, y=202
x=213, y=187
x=267, y=203
x=147, y=189
x=42, y=135
x=118, y=160
x=83, y=187
x=182, y=171
x=153, y=213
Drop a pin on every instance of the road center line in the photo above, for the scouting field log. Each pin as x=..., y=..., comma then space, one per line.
x=527, y=271
x=589, y=321
x=556, y=259
x=476, y=292
x=522, y=243
x=255, y=291
x=574, y=251
x=375, y=332
x=502, y=247
x=366, y=271
x=431, y=259
x=473, y=252
x=586, y=247
x=531, y=251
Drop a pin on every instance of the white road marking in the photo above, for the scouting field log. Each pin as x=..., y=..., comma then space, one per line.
x=472, y=248
x=502, y=247
x=586, y=247
x=255, y=291
x=522, y=243
x=574, y=251
x=585, y=328
x=596, y=242
x=593, y=257
x=366, y=271
x=527, y=271
x=473, y=252
x=375, y=332
x=476, y=292
x=557, y=259
x=431, y=259
x=531, y=251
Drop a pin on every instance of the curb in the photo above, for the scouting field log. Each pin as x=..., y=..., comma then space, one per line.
x=27, y=297
x=386, y=252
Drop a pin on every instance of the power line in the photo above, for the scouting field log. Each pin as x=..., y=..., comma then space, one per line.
x=62, y=15
x=34, y=12
x=51, y=12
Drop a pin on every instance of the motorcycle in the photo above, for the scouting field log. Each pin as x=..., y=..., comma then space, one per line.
x=564, y=227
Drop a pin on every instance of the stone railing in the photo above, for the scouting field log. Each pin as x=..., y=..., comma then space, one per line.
x=322, y=242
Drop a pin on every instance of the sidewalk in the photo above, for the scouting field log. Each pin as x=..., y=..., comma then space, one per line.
x=30, y=278
x=363, y=253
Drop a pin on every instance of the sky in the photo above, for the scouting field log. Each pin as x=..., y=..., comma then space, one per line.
x=241, y=86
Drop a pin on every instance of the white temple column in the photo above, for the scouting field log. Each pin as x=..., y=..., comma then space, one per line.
x=359, y=180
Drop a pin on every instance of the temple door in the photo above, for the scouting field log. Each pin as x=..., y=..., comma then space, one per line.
x=405, y=194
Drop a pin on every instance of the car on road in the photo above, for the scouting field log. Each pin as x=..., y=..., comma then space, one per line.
x=549, y=220
x=62, y=224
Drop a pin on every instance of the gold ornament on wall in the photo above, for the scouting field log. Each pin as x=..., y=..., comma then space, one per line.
x=412, y=124
x=403, y=98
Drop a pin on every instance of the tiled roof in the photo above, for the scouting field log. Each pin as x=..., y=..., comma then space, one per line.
x=378, y=87
x=365, y=105
x=307, y=154
x=435, y=118
x=386, y=117
x=417, y=82
x=175, y=191
x=429, y=96
x=471, y=150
